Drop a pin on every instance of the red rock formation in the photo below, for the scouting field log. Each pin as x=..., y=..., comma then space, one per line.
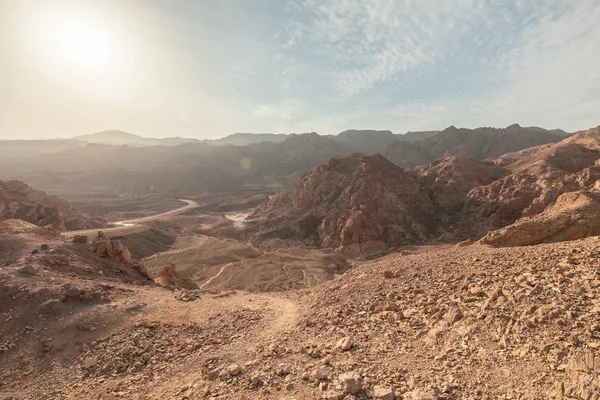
x=112, y=250
x=450, y=179
x=574, y=215
x=356, y=204
x=538, y=178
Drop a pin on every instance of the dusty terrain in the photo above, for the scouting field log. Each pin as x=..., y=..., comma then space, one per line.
x=439, y=322
x=262, y=293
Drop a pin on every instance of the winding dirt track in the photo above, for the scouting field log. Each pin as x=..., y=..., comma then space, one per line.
x=128, y=224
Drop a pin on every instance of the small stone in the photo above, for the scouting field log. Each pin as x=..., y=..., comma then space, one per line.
x=214, y=374
x=350, y=382
x=27, y=270
x=90, y=362
x=52, y=307
x=387, y=274
x=283, y=369
x=45, y=247
x=72, y=291
x=255, y=379
x=384, y=393
x=234, y=369
x=320, y=374
x=417, y=395
x=344, y=343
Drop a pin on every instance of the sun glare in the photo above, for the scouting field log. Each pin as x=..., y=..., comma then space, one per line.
x=84, y=45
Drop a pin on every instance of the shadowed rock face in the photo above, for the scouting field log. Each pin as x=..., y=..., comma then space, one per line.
x=356, y=204
x=19, y=201
x=450, y=179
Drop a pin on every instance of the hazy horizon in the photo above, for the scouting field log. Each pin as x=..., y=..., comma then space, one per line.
x=261, y=133
x=211, y=69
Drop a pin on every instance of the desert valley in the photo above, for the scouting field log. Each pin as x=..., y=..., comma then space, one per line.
x=299, y=200
x=452, y=264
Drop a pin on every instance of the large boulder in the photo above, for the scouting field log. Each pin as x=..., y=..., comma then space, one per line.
x=112, y=249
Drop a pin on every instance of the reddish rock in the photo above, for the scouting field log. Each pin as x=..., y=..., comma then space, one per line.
x=574, y=215
x=357, y=204
x=112, y=249
x=19, y=201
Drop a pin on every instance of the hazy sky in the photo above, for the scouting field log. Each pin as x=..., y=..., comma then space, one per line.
x=208, y=68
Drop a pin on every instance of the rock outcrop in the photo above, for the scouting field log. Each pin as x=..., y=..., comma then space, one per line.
x=112, y=250
x=573, y=216
x=356, y=204
x=19, y=201
x=537, y=180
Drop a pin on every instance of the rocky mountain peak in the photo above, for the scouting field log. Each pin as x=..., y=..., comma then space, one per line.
x=357, y=204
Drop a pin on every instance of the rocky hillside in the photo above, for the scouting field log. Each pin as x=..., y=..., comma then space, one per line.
x=480, y=144
x=537, y=179
x=449, y=180
x=573, y=215
x=356, y=204
x=126, y=163
x=361, y=204
x=19, y=201
x=437, y=323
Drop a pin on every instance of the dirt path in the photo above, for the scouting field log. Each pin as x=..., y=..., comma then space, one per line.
x=286, y=313
x=215, y=277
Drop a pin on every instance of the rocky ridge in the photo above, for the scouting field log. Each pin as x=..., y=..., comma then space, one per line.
x=362, y=205
x=19, y=201
x=479, y=144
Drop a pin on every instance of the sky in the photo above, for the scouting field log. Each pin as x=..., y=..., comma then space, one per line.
x=209, y=68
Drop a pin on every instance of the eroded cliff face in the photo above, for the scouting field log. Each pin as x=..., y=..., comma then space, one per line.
x=19, y=201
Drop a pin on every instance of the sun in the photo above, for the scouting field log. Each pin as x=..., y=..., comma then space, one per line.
x=84, y=45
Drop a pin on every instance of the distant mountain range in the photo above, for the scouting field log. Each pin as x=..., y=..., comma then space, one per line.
x=125, y=163
x=119, y=138
x=366, y=141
